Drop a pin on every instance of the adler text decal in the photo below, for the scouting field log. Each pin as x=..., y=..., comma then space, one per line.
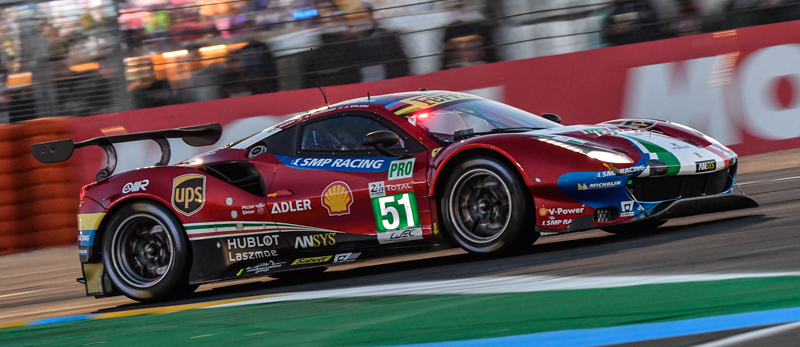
x=291, y=206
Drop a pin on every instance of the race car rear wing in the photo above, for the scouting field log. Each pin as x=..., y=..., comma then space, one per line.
x=61, y=150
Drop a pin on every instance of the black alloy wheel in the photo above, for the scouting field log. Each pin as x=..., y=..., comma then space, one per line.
x=146, y=253
x=485, y=207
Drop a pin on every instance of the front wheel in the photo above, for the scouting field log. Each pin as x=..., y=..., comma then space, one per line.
x=485, y=207
x=146, y=253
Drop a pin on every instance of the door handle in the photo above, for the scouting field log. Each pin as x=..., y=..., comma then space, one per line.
x=280, y=193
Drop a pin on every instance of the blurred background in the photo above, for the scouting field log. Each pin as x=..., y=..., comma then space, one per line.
x=85, y=57
x=86, y=68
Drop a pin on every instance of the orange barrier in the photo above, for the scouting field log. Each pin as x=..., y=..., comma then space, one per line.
x=38, y=202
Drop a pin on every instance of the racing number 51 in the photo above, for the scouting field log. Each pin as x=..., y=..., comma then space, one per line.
x=396, y=212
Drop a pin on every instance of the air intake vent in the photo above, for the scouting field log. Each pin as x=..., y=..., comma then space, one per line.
x=240, y=174
x=673, y=187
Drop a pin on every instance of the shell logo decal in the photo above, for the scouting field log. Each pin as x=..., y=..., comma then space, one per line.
x=337, y=198
x=542, y=211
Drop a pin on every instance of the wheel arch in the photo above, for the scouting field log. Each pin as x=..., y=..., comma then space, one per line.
x=112, y=210
x=454, y=159
x=446, y=170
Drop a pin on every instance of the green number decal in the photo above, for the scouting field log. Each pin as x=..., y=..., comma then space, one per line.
x=395, y=212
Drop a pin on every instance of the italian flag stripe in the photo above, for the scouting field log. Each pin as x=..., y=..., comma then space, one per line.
x=665, y=156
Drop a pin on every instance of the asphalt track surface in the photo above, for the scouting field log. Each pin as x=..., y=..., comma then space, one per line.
x=42, y=284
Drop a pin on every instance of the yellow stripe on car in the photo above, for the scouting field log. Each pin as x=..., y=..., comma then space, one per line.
x=89, y=221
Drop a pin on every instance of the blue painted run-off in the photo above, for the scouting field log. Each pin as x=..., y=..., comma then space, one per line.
x=60, y=319
x=633, y=333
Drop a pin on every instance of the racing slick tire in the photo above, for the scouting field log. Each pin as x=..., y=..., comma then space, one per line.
x=635, y=228
x=484, y=209
x=146, y=253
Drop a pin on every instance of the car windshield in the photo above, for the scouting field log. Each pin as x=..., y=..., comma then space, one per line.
x=475, y=116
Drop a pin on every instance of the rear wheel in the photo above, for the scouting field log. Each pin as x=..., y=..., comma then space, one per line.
x=484, y=208
x=146, y=253
x=635, y=228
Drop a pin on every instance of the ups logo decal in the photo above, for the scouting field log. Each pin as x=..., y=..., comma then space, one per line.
x=189, y=193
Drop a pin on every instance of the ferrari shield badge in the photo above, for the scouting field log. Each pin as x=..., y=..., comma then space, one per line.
x=189, y=193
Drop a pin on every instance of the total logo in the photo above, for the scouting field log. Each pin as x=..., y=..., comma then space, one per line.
x=291, y=206
x=559, y=211
x=135, y=186
x=599, y=185
x=381, y=189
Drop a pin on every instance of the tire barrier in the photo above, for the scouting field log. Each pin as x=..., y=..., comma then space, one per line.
x=38, y=202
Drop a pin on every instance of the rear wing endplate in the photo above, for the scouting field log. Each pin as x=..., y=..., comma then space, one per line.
x=61, y=150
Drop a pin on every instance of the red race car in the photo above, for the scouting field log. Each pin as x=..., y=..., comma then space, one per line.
x=381, y=176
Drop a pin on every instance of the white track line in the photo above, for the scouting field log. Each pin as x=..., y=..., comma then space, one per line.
x=752, y=335
x=772, y=180
x=504, y=285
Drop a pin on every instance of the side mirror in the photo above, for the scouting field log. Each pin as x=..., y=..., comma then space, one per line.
x=552, y=117
x=380, y=140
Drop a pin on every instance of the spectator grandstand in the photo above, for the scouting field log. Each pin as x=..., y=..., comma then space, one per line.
x=77, y=58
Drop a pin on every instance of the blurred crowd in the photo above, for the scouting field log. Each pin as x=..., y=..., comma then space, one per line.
x=634, y=21
x=81, y=57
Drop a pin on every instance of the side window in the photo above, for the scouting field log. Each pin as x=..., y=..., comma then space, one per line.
x=341, y=134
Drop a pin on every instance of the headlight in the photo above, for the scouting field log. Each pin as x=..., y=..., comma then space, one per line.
x=610, y=157
x=589, y=151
